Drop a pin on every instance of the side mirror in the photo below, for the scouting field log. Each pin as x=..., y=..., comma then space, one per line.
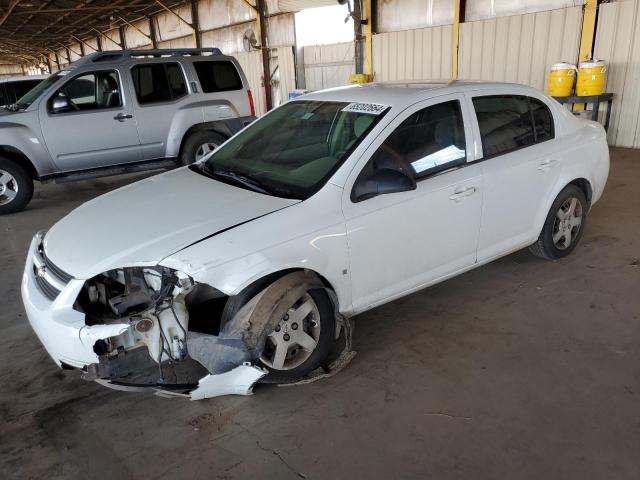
x=60, y=104
x=383, y=181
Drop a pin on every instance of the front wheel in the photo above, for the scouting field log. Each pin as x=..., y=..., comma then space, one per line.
x=199, y=145
x=16, y=187
x=302, y=339
x=564, y=225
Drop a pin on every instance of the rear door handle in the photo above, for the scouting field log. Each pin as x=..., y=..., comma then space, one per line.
x=122, y=116
x=547, y=164
x=460, y=193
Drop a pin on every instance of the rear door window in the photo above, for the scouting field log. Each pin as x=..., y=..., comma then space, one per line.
x=158, y=82
x=511, y=122
x=217, y=76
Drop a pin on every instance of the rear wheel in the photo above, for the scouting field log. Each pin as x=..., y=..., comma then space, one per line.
x=199, y=145
x=16, y=187
x=564, y=225
x=302, y=339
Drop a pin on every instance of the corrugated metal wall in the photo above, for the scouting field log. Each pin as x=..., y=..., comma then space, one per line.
x=10, y=70
x=420, y=54
x=134, y=38
x=618, y=42
x=520, y=48
x=251, y=64
x=483, y=9
x=327, y=66
x=396, y=15
x=283, y=78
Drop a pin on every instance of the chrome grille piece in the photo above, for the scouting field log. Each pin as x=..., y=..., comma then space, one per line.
x=49, y=278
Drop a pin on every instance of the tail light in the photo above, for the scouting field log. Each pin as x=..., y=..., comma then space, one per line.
x=251, y=106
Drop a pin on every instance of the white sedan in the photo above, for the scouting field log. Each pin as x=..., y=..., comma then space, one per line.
x=246, y=262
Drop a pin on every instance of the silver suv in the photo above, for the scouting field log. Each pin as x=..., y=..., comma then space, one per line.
x=120, y=111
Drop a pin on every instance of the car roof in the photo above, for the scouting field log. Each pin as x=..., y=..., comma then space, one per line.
x=402, y=94
x=22, y=78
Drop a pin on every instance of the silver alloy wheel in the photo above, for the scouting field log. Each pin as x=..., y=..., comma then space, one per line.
x=296, y=336
x=205, y=149
x=567, y=223
x=8, y=187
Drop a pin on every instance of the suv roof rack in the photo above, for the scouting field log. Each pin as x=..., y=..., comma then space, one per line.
x=122, y=55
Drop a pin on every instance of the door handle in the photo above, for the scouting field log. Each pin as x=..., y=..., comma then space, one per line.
x=547, y=164
x=460, y=193
x=122, y=116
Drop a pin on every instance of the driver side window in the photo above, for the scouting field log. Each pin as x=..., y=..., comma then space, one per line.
x=429, y=141
x=90, y=91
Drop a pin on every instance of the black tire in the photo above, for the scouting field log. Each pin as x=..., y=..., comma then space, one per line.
x=195, y=141
x=325, y=340
x=21, y=180
x=545, y=247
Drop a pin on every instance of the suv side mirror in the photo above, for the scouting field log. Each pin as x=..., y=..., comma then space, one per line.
x=60, y=104
x=383, y=181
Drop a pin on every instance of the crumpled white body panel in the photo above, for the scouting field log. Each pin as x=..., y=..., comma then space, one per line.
x=239, y=381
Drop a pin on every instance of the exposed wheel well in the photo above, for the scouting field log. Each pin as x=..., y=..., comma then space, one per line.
x=584, y=185
x=272, y=277
x=16, y=155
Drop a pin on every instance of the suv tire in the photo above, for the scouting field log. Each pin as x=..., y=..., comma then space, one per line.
x=16, y=187
x=199, y=144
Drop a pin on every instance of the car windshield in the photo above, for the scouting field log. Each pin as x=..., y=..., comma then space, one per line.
x=293, y=151
x=33, y=94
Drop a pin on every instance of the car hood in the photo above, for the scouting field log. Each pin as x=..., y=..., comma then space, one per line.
x=144, y=222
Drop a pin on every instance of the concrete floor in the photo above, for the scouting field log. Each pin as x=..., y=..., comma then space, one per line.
x=520, y=369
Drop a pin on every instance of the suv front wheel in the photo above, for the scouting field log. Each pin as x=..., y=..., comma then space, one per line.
x=198, y=145
x=16, y=187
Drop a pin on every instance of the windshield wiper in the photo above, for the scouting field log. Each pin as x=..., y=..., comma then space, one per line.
x=243, y=180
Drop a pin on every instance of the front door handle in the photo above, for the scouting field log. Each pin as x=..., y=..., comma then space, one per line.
x=122, y=116
x=547, y=164
x=460, y=193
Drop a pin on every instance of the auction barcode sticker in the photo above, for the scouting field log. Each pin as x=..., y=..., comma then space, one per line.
x=372, y=108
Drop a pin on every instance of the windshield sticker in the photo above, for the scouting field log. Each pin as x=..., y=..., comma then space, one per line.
x=307, y=116
x=372, y=108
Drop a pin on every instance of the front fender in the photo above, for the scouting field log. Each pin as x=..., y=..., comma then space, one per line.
x=19, y=137
x=310, y=235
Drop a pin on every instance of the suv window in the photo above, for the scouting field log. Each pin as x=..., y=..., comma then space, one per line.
x=21, y=88
x=507, y=122
x=91, y=91
x=3, y=97
x=429, y=141
x=217, y=76
x=158, y=82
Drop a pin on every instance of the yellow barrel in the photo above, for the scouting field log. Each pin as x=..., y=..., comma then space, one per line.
x=592, y=78
x=561, y=79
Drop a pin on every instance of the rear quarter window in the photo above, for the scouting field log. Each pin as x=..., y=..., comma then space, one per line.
x=221, y=76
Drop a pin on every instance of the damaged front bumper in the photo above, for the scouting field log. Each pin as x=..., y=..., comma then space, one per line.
x=49, y=304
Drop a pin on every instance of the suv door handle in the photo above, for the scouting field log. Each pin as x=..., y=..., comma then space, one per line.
x=460, y=193
x=122, y=116
x=547, y=164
